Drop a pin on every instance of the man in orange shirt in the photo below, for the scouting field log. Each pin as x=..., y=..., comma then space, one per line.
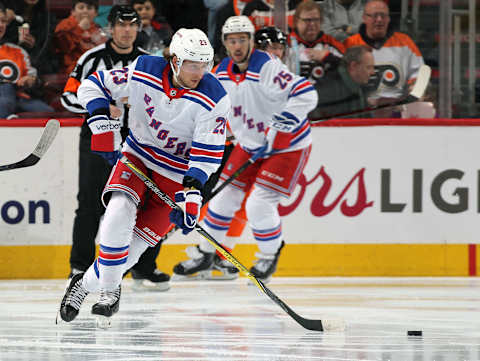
x=397, y=58
x=77, y=33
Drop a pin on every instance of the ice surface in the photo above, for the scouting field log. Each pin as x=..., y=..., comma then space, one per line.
x=217, y=320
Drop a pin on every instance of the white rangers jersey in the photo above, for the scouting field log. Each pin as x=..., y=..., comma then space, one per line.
x=267, y=87
x=175, y=132
x=397, y=61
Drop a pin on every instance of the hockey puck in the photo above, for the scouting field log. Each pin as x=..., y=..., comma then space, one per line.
x=414, y=333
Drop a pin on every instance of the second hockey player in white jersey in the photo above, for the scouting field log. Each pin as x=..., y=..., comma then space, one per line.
x=269, y=117
x=178, y=113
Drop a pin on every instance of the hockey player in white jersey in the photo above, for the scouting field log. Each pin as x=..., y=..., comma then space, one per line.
x=269, y=110
x=178, y=113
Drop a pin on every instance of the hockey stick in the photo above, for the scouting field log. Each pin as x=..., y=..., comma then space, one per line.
x=48, y=135
x=218, y=189
x=417, y=92
x=314, y=325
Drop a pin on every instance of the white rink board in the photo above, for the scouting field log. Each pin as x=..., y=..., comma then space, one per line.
x=53, y=179
x=436, y=154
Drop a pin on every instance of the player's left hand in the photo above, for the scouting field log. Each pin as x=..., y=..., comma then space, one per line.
x=185, y=217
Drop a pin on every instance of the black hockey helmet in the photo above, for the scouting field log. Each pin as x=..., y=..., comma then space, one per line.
x=269, y=35
x=120, y=13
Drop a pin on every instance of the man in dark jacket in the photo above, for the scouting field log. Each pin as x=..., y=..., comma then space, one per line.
x=341, y=91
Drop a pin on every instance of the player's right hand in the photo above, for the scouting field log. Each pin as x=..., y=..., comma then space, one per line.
x=186, y=216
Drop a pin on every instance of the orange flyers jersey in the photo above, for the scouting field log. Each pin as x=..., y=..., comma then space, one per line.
x=14, y=63
x=396, y=63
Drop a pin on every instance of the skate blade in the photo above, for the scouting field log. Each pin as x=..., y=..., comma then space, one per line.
x=103, y=322
x=58, y=319
x=146, y=285
x=216, y=275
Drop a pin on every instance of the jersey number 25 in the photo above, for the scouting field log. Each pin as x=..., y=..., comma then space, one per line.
x=282, y=79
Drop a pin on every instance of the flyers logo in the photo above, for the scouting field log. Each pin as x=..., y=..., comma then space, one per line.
x=386, y=75
x=318, y=72
x=9, y=71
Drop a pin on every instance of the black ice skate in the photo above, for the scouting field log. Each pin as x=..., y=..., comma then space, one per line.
x=266, y=265
x=194, y=268
x=107, y=306
x=73, y=298
x=155, y=281
x=222, y=270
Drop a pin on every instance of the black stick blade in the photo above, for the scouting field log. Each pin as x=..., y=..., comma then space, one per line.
x=32, y=159
x=313, y=325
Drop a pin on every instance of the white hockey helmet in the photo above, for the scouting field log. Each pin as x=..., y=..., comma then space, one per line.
x=238, y=24
x=193, y=45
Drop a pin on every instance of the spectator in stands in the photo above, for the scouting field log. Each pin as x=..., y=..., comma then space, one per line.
x=260, y=12
x=94, y=170
x=31, y=26
x=272, y=40
x=77, y=33
x=341, y=90
x=342, y=18
x=397, y=58
x=17, y=77
x=313, y=53
x=155, y=34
